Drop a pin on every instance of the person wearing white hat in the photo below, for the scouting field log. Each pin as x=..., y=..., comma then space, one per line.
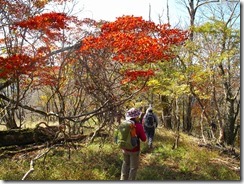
x=131, y=157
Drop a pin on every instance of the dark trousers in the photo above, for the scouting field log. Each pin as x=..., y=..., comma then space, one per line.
x=150, y=132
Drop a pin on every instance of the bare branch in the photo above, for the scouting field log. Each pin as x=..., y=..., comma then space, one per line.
x=33, y=160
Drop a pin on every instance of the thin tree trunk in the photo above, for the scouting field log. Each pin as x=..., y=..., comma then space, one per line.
x=177, y=119
x=201, y=124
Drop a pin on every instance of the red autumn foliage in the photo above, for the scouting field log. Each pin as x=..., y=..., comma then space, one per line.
x=16, y=65
x=27, y=62
x=47, y=20
x=48, y=23
x=132, y=75
x=47, y=76
x=131, y=39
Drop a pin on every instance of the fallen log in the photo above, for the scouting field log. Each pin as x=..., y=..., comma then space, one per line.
x=51, y=134
x=16, y=137
x=27, y=136
x=26, y=140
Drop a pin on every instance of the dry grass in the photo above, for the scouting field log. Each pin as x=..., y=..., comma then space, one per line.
x=102, y=161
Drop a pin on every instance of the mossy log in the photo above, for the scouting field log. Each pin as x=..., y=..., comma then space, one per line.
x=27, y=136
x=17, y=141
x=52, y=134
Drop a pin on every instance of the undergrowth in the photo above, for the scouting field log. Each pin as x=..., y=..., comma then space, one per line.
x=102, y=161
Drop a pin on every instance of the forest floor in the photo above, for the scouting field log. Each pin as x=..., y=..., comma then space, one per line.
x=102, y=159
x=192, y=160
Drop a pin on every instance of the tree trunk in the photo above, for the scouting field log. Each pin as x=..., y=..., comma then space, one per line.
x=166, y=112
x=167, y=118
x=10, y=119
x=229, y=126
x=201, y=124
x=188, y=116
x=177, y=123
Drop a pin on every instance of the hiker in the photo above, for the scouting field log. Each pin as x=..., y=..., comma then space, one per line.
x=150, y=123
x=143, y=112
x=131, y=157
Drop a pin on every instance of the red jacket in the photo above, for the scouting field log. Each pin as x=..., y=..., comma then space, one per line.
x=141, y=136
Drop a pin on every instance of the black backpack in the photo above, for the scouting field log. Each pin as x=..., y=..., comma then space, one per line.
x=149, y=121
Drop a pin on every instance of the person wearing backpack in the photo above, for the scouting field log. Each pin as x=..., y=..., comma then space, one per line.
x=150, y=123
x=131, y=156
x=143, y=112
